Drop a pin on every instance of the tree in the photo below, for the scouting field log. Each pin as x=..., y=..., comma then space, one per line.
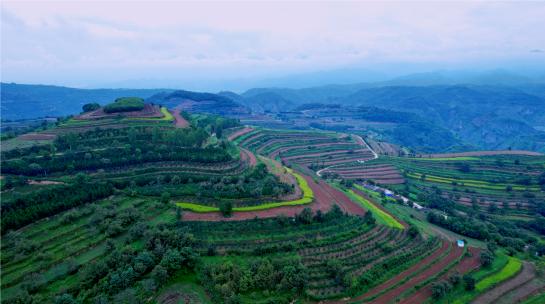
x=440, y=289
x=369, y=218
x=226, y=208
x=88, y=107
x=165, y=197
x=65, y=299
x=159, y=274
x=413, y=231
x=469, y=282
x=305, y=217
x=486, y=258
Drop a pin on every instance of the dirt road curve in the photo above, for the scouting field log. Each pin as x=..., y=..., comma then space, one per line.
x=179, y=122
x=324, y=198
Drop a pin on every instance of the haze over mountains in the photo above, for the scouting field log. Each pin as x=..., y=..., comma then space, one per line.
x=488, y=110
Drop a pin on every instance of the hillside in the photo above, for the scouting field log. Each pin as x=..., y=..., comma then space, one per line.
x=21, y=101
x=196, y=102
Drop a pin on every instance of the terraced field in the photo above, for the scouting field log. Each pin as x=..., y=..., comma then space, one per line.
x=504, y=181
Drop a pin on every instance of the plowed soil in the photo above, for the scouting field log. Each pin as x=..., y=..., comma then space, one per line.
x=179, y=121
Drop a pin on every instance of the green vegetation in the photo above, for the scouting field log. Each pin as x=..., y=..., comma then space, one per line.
x=125, y=104
x=382, y=216
x=513, y=267
x=308, y=196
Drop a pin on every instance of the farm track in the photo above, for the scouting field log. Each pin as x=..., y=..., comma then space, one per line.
x=179, y=121
x=495, y=294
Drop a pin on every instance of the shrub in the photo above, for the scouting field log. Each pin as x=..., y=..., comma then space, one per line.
x=469, y=282
x=88, y=107
x=125, y=104
x=226, y=208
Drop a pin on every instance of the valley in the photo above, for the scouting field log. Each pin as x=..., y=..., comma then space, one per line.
x=165, y=203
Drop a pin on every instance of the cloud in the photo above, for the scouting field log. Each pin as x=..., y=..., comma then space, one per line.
x=91, y=41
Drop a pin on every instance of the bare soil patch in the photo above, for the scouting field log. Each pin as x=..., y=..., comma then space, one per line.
x=38, y=136
x=179, y=121
x=44, y=182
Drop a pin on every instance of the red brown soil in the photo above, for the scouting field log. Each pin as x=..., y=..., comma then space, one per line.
x=482, y=153
x=239, y=133
x=44, y=182
x=494, y=294
x=324, y=198
x=37, y=136
x=179, y=121
x=391, y=295
x=248, y=156
x=466, y=265
x=149, y=111
x=362, y=194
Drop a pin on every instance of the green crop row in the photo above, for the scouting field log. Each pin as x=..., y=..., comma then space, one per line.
x=512, y=267
x=382, y=216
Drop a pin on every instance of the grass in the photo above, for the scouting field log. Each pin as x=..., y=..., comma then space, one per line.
x=381, y=216
x=512, y=267
x=308, y=196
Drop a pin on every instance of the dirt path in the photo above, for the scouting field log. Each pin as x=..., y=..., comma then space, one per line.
x=179, y=121
x=324, y=198
x=248, y=156
x=494, y=294
x=239, y=133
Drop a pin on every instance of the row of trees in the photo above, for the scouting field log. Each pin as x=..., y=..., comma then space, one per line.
x=227, y=281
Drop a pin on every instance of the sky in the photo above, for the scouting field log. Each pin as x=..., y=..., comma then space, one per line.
x=209, y=45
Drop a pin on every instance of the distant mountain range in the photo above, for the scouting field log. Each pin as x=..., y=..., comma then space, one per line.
x=21, y=101
x=509, y=114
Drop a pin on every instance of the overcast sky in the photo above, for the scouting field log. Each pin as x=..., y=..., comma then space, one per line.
x=101, y=43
